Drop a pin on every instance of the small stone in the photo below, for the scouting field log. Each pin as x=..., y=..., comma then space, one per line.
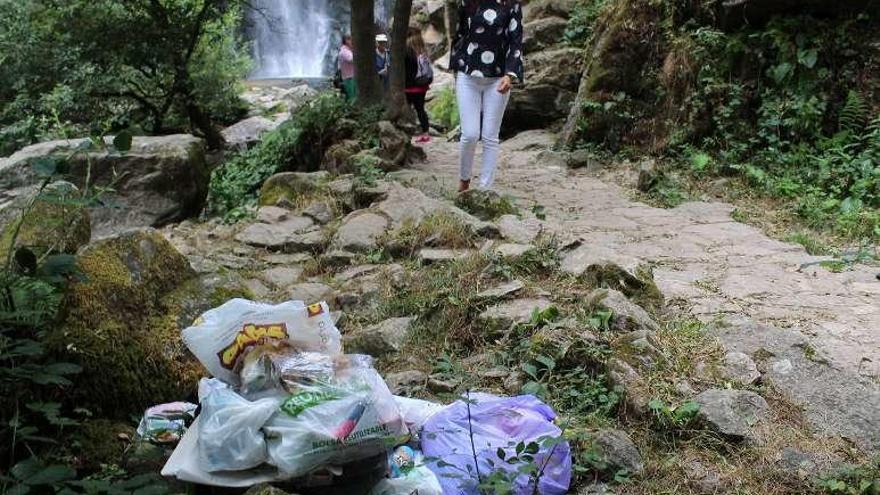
x=637, y=394
x=502, y=290
x=257, y=288
x=281, y=276
x=513, y=229
x=320, y=212
x=703, y=479
x=338, y=257
x=732, y=413
x=649, y=175
x=618, y=451
x=381, y=339
x=440, y=386
x=311, y=292
x=272, y=214
x=348, y=300
x=503, y=315
x=513, y=384
x=738, y=367
x=510, y=250
x=495, y=373
x=360, y=232
x=430, y=256
x=404, y=381
x=477, y=360
x=626, y=316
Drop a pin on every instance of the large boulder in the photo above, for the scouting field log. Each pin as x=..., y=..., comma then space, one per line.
x=123, y=320
x=160, y=180
x=248, y=132
x=543, y=33
x=285, y=188
x=551, y=84
x=540, y=9
x=54, y=223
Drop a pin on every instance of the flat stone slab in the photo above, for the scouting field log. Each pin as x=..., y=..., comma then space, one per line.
x=360, y=232
x=732, y=413
x=379, y=340
x=511, y=250
x=430, y=255
x=502, y=290
x=311, y=292
x=286, y=234
x=282, y=276
x=505, y=314
x=513, y=229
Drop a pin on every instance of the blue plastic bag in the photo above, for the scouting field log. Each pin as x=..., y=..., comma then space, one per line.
x=497, y=423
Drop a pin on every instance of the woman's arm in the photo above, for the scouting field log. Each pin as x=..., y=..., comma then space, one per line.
x=514, y=63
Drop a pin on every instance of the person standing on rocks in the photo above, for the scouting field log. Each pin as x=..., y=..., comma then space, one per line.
x=382, y=59
x=419, y=76
x=346, y=68
x=487, y=59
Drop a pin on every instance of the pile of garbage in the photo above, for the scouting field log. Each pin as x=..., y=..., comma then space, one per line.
x=286, y=404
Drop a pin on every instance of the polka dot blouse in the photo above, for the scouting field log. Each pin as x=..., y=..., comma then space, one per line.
x=489, y=42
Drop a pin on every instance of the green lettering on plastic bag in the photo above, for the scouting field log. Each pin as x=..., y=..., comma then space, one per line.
x=298, y=403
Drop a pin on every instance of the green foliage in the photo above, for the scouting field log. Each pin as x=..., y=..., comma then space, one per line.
x=863, y=480
x=444, y=109
x=672, y=418
x=80, y=67
x=297, y=145
x=582, y=18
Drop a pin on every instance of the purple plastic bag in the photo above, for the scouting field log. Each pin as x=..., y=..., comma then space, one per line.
x=496, y=422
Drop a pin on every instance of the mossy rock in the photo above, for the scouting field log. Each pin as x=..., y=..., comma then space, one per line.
x=484, y=204
x=101, y=441
x=337, y=158
x=286, y=187
x=51, y=225
x=122, y=323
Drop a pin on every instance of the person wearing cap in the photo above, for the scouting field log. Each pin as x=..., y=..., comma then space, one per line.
x=383, y=61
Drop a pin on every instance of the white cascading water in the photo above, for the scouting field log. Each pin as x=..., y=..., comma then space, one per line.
x=299, y=38
x=291, y=38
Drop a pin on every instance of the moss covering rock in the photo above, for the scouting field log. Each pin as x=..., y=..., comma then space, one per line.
x=51, y=225
x=123, y=322
x=285, y=188
x=484, y=204
x=101, y=441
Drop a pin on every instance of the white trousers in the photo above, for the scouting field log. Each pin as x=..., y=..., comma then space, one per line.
x=479, y=96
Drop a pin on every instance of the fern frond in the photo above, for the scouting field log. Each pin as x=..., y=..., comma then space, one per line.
x=854, y=114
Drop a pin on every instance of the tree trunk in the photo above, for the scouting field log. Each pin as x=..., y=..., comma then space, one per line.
x=363, y=32
x=396, y=97
x=451, y=22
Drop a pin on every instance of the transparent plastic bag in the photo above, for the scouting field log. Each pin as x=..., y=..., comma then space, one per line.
x=220, y=337
x=349, y=418
x=230, y=435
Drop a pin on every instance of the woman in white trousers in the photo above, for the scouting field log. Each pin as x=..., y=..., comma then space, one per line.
x=487, y=58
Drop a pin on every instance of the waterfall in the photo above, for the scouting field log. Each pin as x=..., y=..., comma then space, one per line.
x=300, y=38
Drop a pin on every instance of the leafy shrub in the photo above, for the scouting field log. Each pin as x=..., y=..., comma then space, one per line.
x=581, y=21
x=297, y=145
x=444, y=109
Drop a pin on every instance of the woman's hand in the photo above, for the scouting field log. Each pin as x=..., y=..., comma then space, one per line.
x=505, y=84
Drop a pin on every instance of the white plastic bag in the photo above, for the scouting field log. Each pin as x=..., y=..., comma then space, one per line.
x=352, y=417
x=223, y=335
x=420, y=480
x=416, y=412
x=184, y=465
x=230, y=436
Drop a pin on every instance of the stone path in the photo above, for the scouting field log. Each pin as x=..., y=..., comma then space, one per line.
x=814, y=333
